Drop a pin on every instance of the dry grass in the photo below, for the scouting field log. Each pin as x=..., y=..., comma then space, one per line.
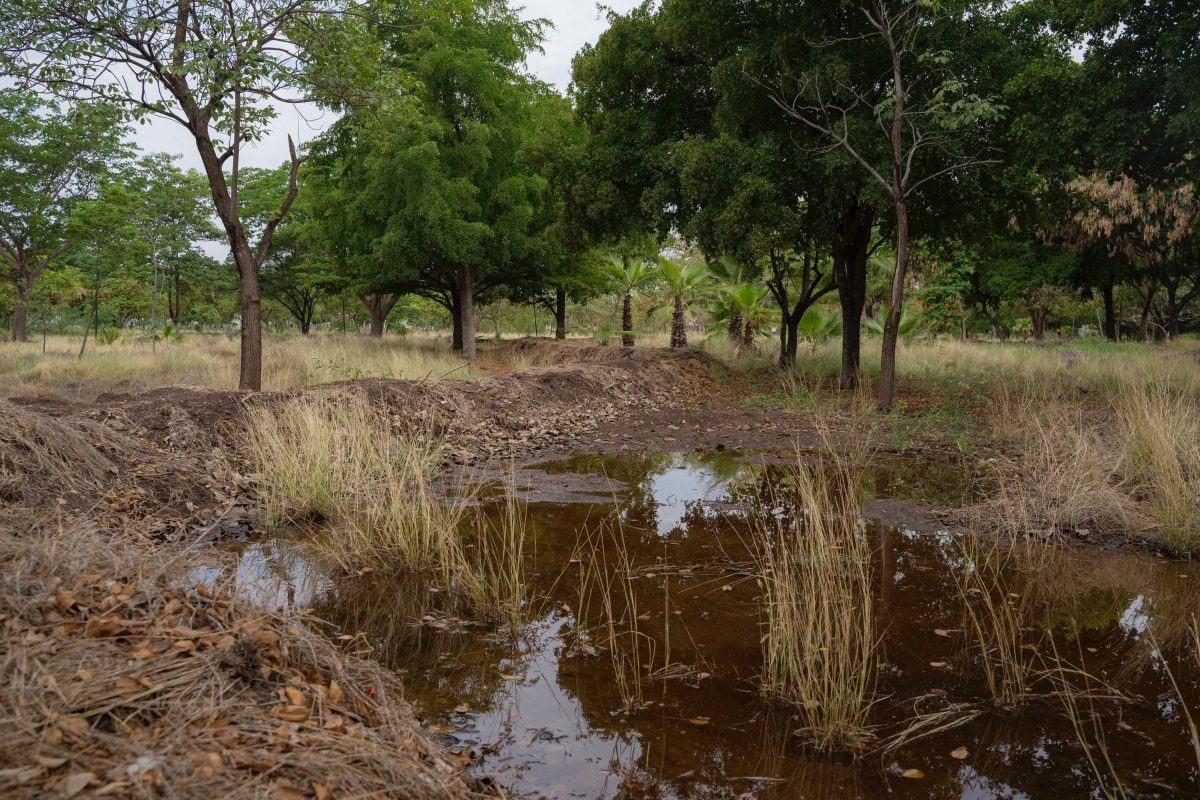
x=607, y=616
x=1064, y=480
x=337, y=466
x=493, y=579
x=337, y=460
x=118, y=681
x=289, y=362
x=1160, y=451
x=41, y=456
x=820, y=638
x=997, y=611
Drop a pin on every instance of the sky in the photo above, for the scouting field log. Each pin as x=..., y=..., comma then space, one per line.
x=576, y=23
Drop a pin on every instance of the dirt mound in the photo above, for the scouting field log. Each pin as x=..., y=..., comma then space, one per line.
x=169, y=462
x=116, y=680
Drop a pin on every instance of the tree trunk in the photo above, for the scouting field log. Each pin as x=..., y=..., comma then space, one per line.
x=379, y=305
x=1173, y=309
x=627, y=321
x=20, y=315
x=678, y=331
x=735, y=327
x=466, y=302
x=851, y=243
x=1038, y=318
x=891, y=325
x=560, y=313
x=1143, y=333
x=1110, y=312
x=791, y=340
x=95, y=317
x=746, y=345
x=456, y=339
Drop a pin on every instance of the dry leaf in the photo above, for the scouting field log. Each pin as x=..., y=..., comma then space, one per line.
x=51, y=763
x=84, y=674
x=938, y=664
x=74, y=784
x=293, y=696
x=461, y=708
x=912, y=774
x=64, y=598
x=699, y=722
x=335, y=693
x=293, y=713
x=959, y=752
x=941, y=632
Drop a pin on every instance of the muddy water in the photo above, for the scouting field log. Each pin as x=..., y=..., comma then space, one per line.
x=544, y=714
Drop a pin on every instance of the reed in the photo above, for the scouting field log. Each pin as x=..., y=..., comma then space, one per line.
x=819, y=639
x=994, y=618
x=494, y=579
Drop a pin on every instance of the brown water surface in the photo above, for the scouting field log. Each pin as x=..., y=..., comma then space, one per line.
x=545, y=717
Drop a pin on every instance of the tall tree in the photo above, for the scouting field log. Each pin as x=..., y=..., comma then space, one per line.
x=215, y=67
x=50, y=160
x=929, y=119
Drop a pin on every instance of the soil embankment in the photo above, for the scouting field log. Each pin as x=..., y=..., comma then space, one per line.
x=167, y=463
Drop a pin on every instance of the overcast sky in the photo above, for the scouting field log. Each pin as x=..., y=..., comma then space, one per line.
x=576, y=23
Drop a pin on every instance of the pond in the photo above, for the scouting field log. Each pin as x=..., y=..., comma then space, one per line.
x=544, y=714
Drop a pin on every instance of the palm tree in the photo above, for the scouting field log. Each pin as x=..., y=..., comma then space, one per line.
x=742, y=301
x=628, y=274
x=682, y=281
x=727, y=272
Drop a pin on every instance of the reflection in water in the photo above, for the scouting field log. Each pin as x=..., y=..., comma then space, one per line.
x=547, y=714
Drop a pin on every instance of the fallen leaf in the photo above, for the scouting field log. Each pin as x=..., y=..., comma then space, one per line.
x=726, y=588
x=85, y=674
x=937, y=664
x=643, y=617
x=74, y=784
x=960, y=753
x=912, y=774
x=293, y=713
x=699, y=722
x=51, y=763
x=64, y=598
x=941, y=632
x=335, y=692
x=461, y=708
x=293, y=696
x=508, y=676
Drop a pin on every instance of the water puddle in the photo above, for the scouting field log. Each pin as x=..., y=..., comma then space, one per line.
x=544, y=714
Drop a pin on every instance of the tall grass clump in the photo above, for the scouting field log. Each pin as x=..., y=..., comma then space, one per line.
x=494, y=558
x=995, y=615
x=820, y=635
x=1160, y=449
x=1065, y=479
x=337, y=461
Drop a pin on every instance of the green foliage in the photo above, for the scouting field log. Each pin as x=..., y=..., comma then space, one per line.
x=108, y=335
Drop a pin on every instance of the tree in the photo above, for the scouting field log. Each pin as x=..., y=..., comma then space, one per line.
x=1149, y=227
x=925, y=110
x=105, y=231
x=50, y=160
x=628, y=273
x=214, y=67
x=682, y=281
x=173, y=219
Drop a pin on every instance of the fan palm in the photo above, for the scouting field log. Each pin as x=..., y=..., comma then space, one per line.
x=910, y=324
x=628, y=274
x=742, y=301
x=682, y=281
x=728, y=272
